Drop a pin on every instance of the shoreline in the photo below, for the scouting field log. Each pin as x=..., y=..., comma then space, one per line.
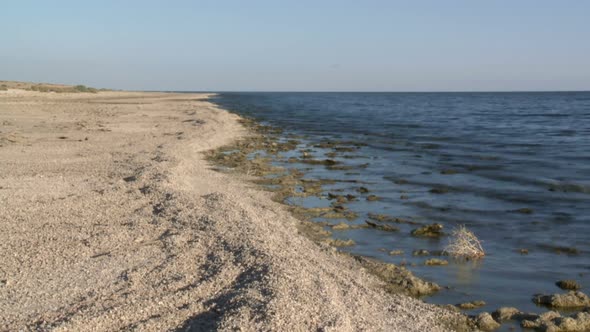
x=259, y=156
x=115, y=220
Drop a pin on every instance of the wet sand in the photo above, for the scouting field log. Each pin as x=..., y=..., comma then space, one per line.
x=111, y=218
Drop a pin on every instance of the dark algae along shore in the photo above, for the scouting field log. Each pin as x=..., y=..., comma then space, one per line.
x=514, y=168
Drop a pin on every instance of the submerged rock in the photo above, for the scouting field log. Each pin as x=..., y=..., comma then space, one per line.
x=523, y=211
x=350, y=197
x=398, y=279
x=436, y=262
x=560, y=249
x=372, y=198
x=433, y=230
x=570, y=299
x=341, y=199
x=471, y=305
x=486, y=323
x=440, y=190
x=386, y=228
x=363, y=190
x=380, y=217
x=386, y=218
x=568, y=284
x=339, y=208
x=339, y=214
x=325, y=162
x=341, y=226
x=421, y=252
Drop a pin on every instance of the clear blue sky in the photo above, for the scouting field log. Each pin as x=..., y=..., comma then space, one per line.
x=299, y=45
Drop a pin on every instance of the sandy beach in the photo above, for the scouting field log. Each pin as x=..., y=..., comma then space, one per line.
x=112, y=219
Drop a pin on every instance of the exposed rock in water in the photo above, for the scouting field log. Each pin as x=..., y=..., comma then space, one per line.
x=350, y=197
x=398, y=279
x=505, y=313
x=471, y=305
x=363, y=190
x=386, y=228
x=436, y=262
x=486, y=323
x=396, y=252
x=421, y=252
x=341, y=226
x=386, y=218
x=339, y=208
x=372, y=198
x=524, y=251
x=568, y=284
x=570, y=299
x=341, y=198
x=554, y=322
x=380, y=217
x=433, y=230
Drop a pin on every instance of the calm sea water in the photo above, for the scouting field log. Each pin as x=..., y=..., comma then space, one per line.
x=491, y=153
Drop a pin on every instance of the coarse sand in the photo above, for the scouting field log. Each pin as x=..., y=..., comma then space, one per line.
x=111, y=219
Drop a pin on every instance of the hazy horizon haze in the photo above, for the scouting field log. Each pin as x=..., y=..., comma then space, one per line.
x=299, y=46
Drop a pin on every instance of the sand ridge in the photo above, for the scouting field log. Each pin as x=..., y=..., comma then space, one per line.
x=111, y=219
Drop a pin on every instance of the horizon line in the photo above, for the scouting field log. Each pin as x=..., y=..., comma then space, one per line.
x=368, y=91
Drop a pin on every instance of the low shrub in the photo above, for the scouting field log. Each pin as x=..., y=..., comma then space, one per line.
x=464, y=244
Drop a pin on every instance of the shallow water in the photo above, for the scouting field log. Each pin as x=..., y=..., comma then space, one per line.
x=490, y=153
